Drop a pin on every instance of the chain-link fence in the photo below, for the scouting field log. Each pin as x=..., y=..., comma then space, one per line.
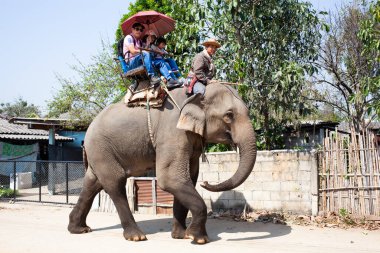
x=41, y=181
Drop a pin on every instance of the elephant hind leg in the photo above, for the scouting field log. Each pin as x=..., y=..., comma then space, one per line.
x=77, y=220
x=118, y=195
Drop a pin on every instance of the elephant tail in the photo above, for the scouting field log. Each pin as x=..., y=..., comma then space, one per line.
x=85, y=161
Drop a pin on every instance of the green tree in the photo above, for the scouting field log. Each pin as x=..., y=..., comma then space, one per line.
x=19, y=108
x=191, y=30
x=349, y=60
x=369, y=35
x=269, y=46
x=98, y=85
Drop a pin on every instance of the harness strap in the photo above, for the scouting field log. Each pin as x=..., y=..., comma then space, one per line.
x=163, y=85
x=149, y=116
x=134, y=44
x=150, y=124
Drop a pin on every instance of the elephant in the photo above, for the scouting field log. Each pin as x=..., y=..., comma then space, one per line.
x=118, y=144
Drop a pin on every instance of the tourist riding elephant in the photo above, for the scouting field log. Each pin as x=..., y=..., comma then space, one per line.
x=119, y=145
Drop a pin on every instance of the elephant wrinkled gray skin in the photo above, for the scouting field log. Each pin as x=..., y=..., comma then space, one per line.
x=118, y=146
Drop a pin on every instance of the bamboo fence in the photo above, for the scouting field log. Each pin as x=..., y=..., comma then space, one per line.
x=349, y=173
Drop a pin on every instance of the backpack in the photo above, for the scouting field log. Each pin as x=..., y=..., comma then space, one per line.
x=120, y=45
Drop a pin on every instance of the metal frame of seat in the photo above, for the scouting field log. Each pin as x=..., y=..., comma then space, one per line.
x=137, y=74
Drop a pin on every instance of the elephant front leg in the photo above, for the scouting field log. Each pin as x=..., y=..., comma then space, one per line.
x=184, y=192
x=179, y=211
x=190, y=200
x=197, y=228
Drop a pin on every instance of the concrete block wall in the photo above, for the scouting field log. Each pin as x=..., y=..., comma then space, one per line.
x=281, y=180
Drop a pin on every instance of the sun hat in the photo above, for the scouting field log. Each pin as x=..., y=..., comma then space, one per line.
x=151, y=32
x=212, y=42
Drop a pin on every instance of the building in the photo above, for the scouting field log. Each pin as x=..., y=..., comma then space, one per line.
x=58, y=150
x=19, y=143
x=307, y=135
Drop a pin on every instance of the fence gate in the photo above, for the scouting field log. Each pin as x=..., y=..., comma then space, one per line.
x=41, y=181
x=349, y=173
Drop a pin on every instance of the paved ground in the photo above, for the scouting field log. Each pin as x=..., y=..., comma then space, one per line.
x=28, y=227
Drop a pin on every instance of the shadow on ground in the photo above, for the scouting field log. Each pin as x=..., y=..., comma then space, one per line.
x=216, y=227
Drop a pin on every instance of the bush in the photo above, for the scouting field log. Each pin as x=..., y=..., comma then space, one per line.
x=218, y=148
x=6, y=192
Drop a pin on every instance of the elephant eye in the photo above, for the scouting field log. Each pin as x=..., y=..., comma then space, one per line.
x=228, y=117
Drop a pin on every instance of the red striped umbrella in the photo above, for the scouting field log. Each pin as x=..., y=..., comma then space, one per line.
x=151, y=20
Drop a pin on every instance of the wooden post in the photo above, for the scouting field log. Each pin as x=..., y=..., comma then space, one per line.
x=154, y=196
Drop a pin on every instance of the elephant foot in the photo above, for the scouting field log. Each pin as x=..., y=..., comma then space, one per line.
x=134, y=234
x=199, y=237
x=178, y=232
x=79, y=229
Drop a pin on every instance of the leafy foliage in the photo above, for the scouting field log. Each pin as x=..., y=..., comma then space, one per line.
x=99, y=84
x=268, y=46
x=218, y=148
x=19, y=108
x=191, y=30
x=349, y=80
x=6, y=192
x=369, y=35
x=324, y=112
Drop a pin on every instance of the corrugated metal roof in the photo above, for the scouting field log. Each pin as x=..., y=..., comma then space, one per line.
x=374, y=125
x=345, y=126
x=33, y=137
x=308, y=123
x=21, y=132
x=37, y=121
x=8, y=128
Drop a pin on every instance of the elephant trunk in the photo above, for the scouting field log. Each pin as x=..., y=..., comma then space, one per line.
x=245, y=139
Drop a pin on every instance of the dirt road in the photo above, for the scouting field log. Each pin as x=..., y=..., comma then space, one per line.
x=26, y=227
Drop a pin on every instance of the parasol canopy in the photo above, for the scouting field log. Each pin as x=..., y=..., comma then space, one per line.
x=151, y=20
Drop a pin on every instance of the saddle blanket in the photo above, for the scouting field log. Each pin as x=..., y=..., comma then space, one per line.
x=155, y=95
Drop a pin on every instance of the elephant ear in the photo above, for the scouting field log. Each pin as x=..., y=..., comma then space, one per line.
x=192, y=117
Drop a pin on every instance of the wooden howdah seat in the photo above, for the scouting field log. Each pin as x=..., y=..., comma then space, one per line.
x=145, y=92
x=139, y=71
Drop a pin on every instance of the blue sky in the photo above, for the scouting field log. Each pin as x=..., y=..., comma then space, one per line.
x=40, y=38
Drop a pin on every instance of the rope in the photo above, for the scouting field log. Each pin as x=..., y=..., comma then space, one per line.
x=229, y=83
x=149, y=116
x=163, y=85
x=150, y=123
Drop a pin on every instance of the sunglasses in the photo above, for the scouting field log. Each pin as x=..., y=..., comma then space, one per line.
x=139, y=29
